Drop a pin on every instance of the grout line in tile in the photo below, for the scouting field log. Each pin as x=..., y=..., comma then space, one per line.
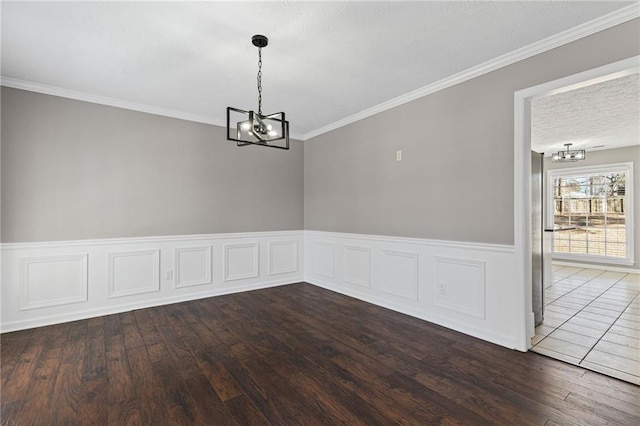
x=604, y=334
x=568, y=319
x=600, y=288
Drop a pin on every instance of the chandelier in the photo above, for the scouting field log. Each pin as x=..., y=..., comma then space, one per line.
x=568, y=155
x=255, y=128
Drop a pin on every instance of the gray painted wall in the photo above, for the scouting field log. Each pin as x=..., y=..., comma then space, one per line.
x=76, y=170
x=611, y=156
x=456, y=179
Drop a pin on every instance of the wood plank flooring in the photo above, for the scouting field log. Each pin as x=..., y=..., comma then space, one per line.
x=290, y=355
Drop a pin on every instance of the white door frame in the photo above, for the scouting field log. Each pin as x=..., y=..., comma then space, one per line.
x=522, y=178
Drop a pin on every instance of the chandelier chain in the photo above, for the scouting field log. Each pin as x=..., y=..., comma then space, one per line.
x=260, y=81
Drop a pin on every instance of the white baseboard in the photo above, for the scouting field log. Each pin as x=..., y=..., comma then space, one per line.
x=463, y=286
x=462, y=327
x=531, y=325
x=75, y=315
x=596, y=266
x=52, y=282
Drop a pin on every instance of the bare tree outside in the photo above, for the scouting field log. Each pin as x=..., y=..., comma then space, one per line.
x=594, y=203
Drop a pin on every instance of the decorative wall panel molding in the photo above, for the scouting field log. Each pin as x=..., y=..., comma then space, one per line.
x=460, y=285
x=404, y=276
x=324, y=259
x=400, y=273
x=53, y=280
x=241, y=261
x=357, y=265
x=283, y=257
x=133, y=272
x=192, y=266
x=45, y=283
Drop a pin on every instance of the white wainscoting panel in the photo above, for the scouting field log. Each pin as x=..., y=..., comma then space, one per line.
x=324, y=259
x=460, y=285
x=133, y=272
x=400, y=273
x=192, y=266
x=405, y=274
x=53, y=280
x=357, y=265
x=283, y=257
x=241, y=261
x=47, y=283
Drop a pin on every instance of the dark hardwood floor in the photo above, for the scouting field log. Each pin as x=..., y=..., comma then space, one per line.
x=290, y=355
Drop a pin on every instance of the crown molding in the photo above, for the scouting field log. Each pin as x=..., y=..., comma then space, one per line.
x=104, y=100
x=114, y=102
x=588, y=28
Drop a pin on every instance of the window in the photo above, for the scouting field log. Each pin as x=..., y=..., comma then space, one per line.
x=597, y=201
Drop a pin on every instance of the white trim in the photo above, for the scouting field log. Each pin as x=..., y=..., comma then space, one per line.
x=98, y=274
x=522, y=178
x=588, y=28
x=388, y=282
x=502, y=248
x=105, y=100
x=355, y=280
x=478, y=311
x=392, y=285
x=126, y=307
x=626, y=167
x=82, y=286
x=111, y=273
x=595, y=259
x=622, y=167
x=177, y=280
x=464, y=327
x=532, y=321
x=328, y=274
x=145, y=240
x=496, y=327
x=600, y=267
x=294, y=259
x=255, y=265
x=46, y=89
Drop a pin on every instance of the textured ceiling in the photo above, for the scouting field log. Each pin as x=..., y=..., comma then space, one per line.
x=325, y=61
x=601, y=116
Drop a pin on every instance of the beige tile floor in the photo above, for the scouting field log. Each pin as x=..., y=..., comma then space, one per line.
x=592, y=319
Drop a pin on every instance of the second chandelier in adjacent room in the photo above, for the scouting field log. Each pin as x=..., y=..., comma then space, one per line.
x=568, y=155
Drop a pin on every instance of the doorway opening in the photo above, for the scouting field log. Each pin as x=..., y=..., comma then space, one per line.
x=578, y=298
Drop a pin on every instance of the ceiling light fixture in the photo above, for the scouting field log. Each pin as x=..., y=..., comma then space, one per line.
x=254, y=128
x=568, y=155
